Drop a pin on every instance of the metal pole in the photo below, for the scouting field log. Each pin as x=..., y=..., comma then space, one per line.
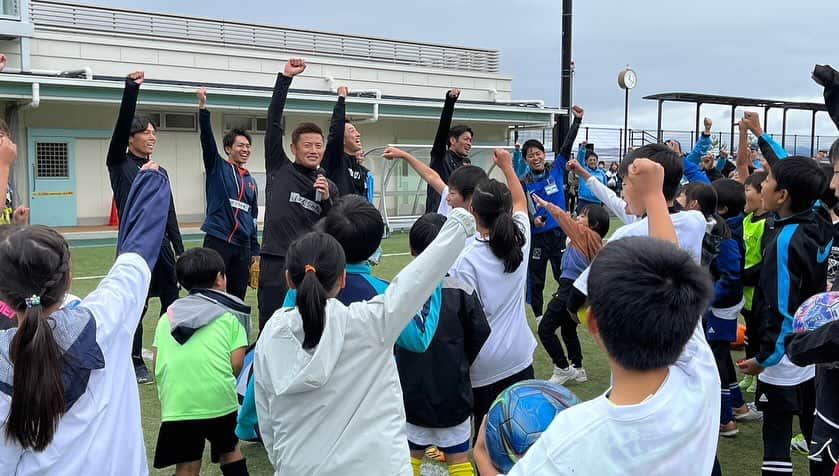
x=731, y=132
x=765, y=118
x=783, y=129
x=625, y=148
x=562, y=126
x=696, y=129
x=660, y=135
x=813, y=135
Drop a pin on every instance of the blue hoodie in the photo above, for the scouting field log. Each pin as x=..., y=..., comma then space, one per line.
x=727, y=270
x=585, y=192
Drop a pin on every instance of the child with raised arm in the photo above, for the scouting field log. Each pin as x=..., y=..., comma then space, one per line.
x=585, y=240
x=494, y=264
x=661, y=413
x=327, y=388
x=68, y=400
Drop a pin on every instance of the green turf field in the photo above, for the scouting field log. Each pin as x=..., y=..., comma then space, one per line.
x=739, y=456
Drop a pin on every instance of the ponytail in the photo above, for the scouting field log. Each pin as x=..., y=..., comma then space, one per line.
x=506, y=240
x=38, y=391
x=492, y=205
x=311, y=303
x=34, y=276
x=315, y=262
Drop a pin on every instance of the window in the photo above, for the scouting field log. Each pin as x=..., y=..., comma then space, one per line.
x=173, y=121
x=51, y=159
x=179, y=121
x=249, y=123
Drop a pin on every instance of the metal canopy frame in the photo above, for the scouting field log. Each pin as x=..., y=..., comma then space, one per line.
x=735, y=102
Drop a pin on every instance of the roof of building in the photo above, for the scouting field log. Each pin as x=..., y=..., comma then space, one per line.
x=697, y=98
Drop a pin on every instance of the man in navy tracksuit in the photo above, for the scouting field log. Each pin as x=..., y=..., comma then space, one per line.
x=230, y=225
x=548, y=182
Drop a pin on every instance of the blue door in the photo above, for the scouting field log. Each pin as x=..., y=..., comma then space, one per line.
x=52, y=181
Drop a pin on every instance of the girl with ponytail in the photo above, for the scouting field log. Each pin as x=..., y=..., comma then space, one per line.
x=68, y=401
x=325, y=381
x=493, y=263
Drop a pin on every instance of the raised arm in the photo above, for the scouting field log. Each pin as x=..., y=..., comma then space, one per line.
x=335, y=142
x=743, y=155
x=693, y=173
x=648, y=177
x=275, y=156
x=828, y=78
x=389, y=313
x=519, y=163
x=703, y=145
x=118, y=301
x=504, y=160
x=771, y=150
x=8, y=156
x=571, y=228
x=122, y=129
x=429, y=175
x=568, y=141
x=209, y=149
x=441, y=139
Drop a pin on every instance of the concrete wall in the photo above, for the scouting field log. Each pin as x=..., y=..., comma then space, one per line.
x=114, y=55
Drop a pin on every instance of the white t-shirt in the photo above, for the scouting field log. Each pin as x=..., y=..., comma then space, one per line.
x=509, y=348
x=674, y=431
x=690, y=229
x=444, y=208
x=786, y=374
x=101, y=433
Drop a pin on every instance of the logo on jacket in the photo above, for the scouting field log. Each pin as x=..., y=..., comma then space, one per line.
x=310, y=205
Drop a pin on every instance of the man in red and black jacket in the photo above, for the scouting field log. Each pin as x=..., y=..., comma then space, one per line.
x=232, y=209
x=132, y=144
x=297, y=193
x=450, y=150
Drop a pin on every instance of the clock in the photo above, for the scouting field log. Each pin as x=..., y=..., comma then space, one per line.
x=627, y=79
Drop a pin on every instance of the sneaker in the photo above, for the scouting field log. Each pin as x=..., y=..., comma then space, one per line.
x=434, y=453
x=142, y=374
x=751, y=414
x=729, y=429
x=561, y=376
x=538, y=320
x=582, y=376
x=799, y=444
x=746, y=382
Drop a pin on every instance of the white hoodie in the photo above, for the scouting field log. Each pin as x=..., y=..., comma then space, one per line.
x=337, y=409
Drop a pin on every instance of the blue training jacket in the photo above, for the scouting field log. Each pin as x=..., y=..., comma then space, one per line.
x=585, y=192
x=231, y=191
x=363, y=286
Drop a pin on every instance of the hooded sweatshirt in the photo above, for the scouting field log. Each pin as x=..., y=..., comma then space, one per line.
x=194, y=342
x=325, y=410
x=101, y=431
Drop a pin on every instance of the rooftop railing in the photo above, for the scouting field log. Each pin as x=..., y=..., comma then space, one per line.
x=47, y=13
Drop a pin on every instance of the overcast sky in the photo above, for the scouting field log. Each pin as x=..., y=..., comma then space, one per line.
x=754, y=48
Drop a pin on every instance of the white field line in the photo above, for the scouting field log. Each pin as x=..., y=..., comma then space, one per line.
x=88, y=278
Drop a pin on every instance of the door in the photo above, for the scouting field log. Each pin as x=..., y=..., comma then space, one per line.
x=52, y=181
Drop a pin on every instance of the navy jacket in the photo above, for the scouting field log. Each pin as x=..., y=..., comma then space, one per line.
x=232, y=206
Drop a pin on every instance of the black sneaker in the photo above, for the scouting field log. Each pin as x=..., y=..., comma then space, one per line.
x=142, y=374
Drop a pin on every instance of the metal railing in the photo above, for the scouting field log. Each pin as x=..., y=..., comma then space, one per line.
x=47, y=13
x=609, y=142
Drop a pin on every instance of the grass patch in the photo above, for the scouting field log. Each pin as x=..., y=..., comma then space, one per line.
x=741, y=455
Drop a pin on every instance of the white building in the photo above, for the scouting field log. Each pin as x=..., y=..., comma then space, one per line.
x=63, y=124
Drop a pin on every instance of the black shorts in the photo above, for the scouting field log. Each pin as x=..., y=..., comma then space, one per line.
x=785, y=399
x=183, y=441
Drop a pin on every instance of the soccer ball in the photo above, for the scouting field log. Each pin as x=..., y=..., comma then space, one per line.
x=518, y=417
x=815, y=312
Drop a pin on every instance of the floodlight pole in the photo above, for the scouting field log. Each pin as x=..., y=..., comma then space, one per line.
x=562, y=125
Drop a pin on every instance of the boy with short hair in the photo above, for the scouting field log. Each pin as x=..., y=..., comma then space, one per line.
x=199, y=347
x=660, y=416
x=794, y=268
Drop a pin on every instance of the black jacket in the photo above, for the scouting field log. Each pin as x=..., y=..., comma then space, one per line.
x=821, y=347
x=435, y=384
x=290, y=206
x=794, y=268
x=123, y=166
x=443, y=160
x=349, y=176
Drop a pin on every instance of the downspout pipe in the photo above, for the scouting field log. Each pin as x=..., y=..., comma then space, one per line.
x=333, y=87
